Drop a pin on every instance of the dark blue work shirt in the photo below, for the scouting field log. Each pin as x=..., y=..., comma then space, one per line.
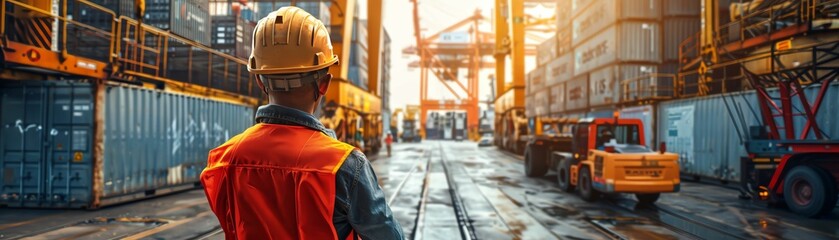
x=360, y=204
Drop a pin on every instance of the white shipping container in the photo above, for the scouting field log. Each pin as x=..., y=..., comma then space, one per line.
x=559, y=70
x=576, y=93
x=529, y=105
x=603, y=13
x=557, y=98
x=625, y=42
x=603, y=87
x=535, y=80
x=541, y=99
x=563, y=13
x=546, y=51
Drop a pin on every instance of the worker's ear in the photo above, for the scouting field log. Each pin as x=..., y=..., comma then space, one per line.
x=261, y=85
x=323, y=84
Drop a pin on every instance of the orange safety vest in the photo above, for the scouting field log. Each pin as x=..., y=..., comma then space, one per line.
x=275, y=182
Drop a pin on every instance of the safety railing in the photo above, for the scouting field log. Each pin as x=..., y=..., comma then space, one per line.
x=134, y=50
x=653, y=86
x=147, y=52
x=82, y=28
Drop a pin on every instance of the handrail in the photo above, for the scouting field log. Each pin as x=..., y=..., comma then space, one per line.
x=649, y=87
x=64, y=20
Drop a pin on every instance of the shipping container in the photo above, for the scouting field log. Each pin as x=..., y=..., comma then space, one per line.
x=629, y=41
x=530, y=105
x=546, y=51
x=56, y=154
x=541, y=99
x=233, y=35
x=602, y=87
x=701, y=130
x=535, y=80
x=676, y=30
x=681, y=8
x=563, y=13
x=576, y=94
x=187, y=18
x=564, y=35
x=559, y=70
x=119, y=7
x=604, y=13
x=557, y=99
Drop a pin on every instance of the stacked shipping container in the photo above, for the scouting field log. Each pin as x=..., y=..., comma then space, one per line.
x=62, y=149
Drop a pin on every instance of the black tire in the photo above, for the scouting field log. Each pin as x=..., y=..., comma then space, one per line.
x=563, y=175
x=805, y=191
x=587, y=192
x=832, y=191
x=647, y=198
x=533, y=165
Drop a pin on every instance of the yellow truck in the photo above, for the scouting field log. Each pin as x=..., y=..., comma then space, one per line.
x=602, y=155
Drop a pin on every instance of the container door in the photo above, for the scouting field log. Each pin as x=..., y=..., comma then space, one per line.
x=45, y=148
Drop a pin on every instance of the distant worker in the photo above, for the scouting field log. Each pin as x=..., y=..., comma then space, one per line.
x=388, y=142
x=287, y=177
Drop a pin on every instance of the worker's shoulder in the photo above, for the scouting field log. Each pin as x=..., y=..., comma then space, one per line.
x=334, y=143
x=229, y=143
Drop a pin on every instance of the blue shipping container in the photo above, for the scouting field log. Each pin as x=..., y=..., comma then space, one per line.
x=153, y=142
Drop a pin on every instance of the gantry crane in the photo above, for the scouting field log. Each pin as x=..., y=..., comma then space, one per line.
x=443, y=60
x=781, y=49
x=510, y=23
x=354, y=114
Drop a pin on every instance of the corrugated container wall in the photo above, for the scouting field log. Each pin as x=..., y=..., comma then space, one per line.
x=705, y=138
x=535, y=80
x=576, y=93
x=559, y=70
x=154, y=142
x=681, y=8
x=546, y=51
x=676, y=30
x=563, y=13
x=602, y=87
x=557, y=98
x=603, y=13
x=624, y=42
x=187, y=18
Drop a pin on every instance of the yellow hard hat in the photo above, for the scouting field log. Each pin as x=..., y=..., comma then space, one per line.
x=290, y=41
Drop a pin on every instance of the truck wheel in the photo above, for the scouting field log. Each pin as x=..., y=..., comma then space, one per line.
x=563, y=175
x=647, y=198
x=587, y=192
x=832, y=191
x=805, y=191
x=533, y=165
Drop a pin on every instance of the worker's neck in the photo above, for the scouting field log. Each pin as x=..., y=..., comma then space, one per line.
x=308, y=107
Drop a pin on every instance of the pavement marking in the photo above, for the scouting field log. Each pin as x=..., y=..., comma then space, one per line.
x=523, y=225
x=165, y=227
x=17, y=224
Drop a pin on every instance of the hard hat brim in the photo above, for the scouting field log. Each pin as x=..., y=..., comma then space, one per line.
x=288, y=70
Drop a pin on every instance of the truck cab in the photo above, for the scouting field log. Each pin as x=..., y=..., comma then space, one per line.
x=604, y=155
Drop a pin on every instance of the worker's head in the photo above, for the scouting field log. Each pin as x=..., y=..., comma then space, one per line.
x=291, y=56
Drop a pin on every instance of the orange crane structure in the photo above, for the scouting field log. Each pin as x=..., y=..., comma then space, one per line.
x=444, y=60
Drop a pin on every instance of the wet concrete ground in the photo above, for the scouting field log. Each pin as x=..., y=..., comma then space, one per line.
x=450, y=190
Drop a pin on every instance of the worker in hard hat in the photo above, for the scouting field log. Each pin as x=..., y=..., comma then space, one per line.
x=287, y=177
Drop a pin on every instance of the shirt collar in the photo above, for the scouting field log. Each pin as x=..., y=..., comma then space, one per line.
x=276, y=114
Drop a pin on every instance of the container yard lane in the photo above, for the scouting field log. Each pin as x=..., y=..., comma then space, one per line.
x=450, y=190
